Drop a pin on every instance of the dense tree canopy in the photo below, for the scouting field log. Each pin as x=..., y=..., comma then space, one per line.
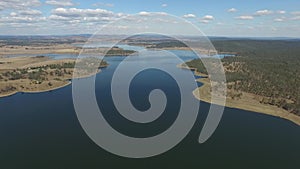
x=270, y=68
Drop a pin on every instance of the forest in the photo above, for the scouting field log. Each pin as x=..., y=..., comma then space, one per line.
x=268, y=68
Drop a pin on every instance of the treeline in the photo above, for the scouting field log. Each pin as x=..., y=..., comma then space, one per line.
x=41, y=40
x=119, y=52
x=168, y=44
x=40, y=73
x=269, y=68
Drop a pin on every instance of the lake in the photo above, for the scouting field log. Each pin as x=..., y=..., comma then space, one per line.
x=42, y=130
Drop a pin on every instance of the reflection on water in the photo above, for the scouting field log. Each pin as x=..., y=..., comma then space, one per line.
x=42, y=131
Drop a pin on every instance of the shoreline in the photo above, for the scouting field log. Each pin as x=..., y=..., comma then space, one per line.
x=33, y=92
x=65, y=48
x=47, y=90
x=246, y=102
x=200, y=50
x=33, y=65
x=68, y=82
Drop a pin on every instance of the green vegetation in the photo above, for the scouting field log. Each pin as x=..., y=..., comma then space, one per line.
x=63, y=66
x=40, y=40
x=116, y=51
x=168, y=44
x=40, y=73
x=269, y=68
x=198, y=65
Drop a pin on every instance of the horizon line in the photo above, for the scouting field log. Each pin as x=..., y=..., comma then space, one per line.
x=214, y=36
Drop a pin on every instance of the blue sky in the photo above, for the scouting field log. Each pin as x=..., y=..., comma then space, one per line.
x=276, y=18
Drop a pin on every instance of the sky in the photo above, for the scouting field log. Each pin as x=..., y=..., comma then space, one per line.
x=231, y=18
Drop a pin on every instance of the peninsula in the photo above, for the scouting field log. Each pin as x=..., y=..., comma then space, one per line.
x=25, y=68
x=240, y=100
x=40, y=73
x=263, y=77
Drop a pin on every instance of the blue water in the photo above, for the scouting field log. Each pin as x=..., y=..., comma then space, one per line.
x=42, y=131
x=109, y=45
x=51, y=55
x=182, y=53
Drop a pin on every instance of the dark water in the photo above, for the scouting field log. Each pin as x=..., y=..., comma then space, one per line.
x=42, y=131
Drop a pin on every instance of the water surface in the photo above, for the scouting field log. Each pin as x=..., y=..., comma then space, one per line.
x=42, y=131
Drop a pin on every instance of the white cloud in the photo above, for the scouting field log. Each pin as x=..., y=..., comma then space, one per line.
x=295, y=18
x=232, y=10
x=75, y=12
x=204, y=21
x=75, y=15
x=30, y=12
x=13, y=14
x=23, y=16
x=295, y=13
x=278, y=19
x=245, y=17
x=281, y=12
x=189, y=15
x=18, y=4
x=22, y=19
x=58, y=18
x=160, y=13
x=99, y=4
x=263, y=12
x=144, y=13
x=60, y=3
x=208, y=17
